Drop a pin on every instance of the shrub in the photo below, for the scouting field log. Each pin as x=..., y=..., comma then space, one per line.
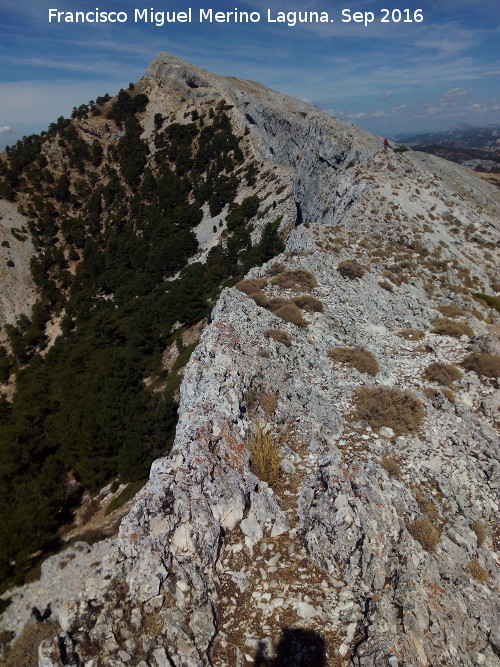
x=391, y=466
x=351, y=269
x=276, y=303
x=440, y=373
x=357, y=357
x=478, y=571
x=260, y=298
x=480, y=532
x=444, y=327
x=264, y=456
x=482, y=363
x=491, y=301
x=411, y=334
x=425, y=533
x=291, y=313
x=279, y=336
x=295, y=280
x=308, y=303
x=251, y=286
x=388, y=406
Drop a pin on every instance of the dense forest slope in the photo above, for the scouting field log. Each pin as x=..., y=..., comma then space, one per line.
x=331, y=493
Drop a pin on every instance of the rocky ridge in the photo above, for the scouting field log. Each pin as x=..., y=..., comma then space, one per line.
x=212, y=565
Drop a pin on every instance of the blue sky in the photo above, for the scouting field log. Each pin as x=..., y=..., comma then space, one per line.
x=387, y=78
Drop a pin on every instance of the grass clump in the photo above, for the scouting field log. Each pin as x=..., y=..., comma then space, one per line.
x=279, y=336
x=482, y=363
x=425, y=532
x=451, y=311
x=357, y=357
x=24, y=651
x=444, y=374
x=480, y=532
x=289, y=312
x=351, y=269
x=127, y=494
x=411, y=334
x=308, y=303
x=388, y=406
x=264, y=456
x=391, y=466
x=444, y=327
x=251, y=286
x=276, y=268
x=479, y=573
x=295, y=280
x=387, y=286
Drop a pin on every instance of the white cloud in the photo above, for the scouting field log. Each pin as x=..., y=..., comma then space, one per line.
x=385, y=96
x=6, y=129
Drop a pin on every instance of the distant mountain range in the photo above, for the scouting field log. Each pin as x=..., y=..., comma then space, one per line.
x=475, y=147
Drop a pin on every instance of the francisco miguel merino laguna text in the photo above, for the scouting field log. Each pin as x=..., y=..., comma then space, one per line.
x=160, y=18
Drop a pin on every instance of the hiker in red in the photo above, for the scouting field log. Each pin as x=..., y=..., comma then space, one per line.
x=386, y=143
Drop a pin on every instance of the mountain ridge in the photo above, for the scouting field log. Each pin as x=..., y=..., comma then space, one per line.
x=379, y=540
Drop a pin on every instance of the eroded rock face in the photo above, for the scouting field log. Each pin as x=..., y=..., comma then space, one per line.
x=377, y=545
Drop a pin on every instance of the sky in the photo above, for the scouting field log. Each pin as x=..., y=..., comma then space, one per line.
x=389, y=78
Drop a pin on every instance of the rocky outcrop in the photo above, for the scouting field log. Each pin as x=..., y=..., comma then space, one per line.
x=17, y=290
x=377, y=543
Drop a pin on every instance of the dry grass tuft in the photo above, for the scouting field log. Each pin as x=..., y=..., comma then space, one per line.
x=425, y=533
x=411, y=334
x=308, y=303
x=351, y=269
x=391, y=466
x=24, y=651
x=289, y=312
x=483, y=364
x=276, y=303
x=279, y=336
x=479, y=573
x=389, y=406
x=444, y=374
x=251, y=286
x=264, y=455
x=426, y=505
x=387, y=286
x=481, y=534
x=449, y=395
x=357, y=357
x=260, y=298
x=449, y=328
x=451, y=311
x=276, y=268
x=268, y=402
x=295, y=280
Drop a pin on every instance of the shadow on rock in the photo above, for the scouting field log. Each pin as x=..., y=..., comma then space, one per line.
x=296, y=648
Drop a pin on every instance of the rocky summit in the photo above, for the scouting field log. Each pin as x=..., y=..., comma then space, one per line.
x=331, y=496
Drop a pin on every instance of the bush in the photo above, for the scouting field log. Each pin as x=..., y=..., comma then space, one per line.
x=425, y=533
x=388, y=406
x=295, y=280
x=276, y=303
x=440, y=373
x=289, y=312
x=264, y=456
x=308, y=303
x=279, y=336
x=482, y=363
x=351, y=269
x=357, y=357
x=480, y=532
x=391, y=466
x=478, y=571
x=444, y=327
x=276, y=268
x=491, y=301
x=411, y=334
